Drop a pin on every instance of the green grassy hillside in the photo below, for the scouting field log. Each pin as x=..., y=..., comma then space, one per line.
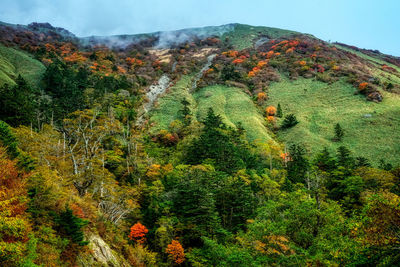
x=234, y=106
x=231, y=103
x=319, y=106
x=14, y=63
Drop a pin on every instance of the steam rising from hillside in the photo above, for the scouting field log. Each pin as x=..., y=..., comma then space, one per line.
x=171, y=38
x=165, y=39
x=168, y=39
x=116, y=41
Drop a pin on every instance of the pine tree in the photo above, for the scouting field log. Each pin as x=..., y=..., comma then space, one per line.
x=324, y=161
x=298, y=165
x=8, y=140
x=18, y=103
x=362, y=162
x=213, y=121
x=223, y=145
x=194, y=205
x=385, y=166
x=289, y=121
x=339, y=133
x=344, y=158
x=279, y=113
x=185, y=112
x=71, y=226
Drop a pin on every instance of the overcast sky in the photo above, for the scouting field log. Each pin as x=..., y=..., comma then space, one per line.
x=373, y=24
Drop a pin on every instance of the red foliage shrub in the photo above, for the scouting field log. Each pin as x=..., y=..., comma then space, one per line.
x=362, y=86
x=138, y=233
x=320, y=68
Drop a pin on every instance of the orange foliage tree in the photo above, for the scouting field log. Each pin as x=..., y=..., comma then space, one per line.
x=121, y=70
x=274, y=244
x=271, y=110
x=362, y=86
x=251, y=74
x=231, y=53
x=176, y=252
x=237, y=61
x=50, y=47
x=75, y=58
x=262, y=63
x=153, y=171
x=138, y=233
x=290, y=50
x=270, y=119
x=134, y=61
x=261, y=97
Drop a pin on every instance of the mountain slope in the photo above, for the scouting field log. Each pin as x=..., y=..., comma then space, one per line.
x=319, y=102
x=14, y=62
x=130, y=153
x=371, y=129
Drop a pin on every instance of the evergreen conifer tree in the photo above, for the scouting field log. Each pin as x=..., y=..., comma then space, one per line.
x=279, y=113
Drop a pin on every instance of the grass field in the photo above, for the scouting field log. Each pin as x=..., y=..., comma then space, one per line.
x=14, y=62
x=319, y=106
x=231, y=103
x=234, y=106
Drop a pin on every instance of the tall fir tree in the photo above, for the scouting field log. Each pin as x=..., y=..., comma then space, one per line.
x=18, y=103
x=339, y=133
x=298, y=166
x=279, y=112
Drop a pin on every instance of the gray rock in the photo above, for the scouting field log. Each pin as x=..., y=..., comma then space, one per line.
x=102, y=255
x=368, y=115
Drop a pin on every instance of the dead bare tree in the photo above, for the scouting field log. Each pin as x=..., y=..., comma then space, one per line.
x=84, y=132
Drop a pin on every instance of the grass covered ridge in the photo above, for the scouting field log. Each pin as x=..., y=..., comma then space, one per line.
x=319, y=106
x=231, y=103
x=235, y=107
x=14, y=62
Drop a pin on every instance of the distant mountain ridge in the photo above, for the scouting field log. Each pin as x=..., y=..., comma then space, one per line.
x=158, y=38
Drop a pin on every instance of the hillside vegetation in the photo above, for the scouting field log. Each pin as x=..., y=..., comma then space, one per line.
x=14, y=62
x=235, y=107
x=232, y=145
x=231, y=103
x=371, y=129
x=244, y=36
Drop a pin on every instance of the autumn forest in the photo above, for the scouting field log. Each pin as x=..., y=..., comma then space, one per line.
x=231, y=145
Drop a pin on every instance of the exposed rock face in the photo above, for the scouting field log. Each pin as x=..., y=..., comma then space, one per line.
x=197, y=78
x=152, y=95
x=156, y=90
x=101, y=255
